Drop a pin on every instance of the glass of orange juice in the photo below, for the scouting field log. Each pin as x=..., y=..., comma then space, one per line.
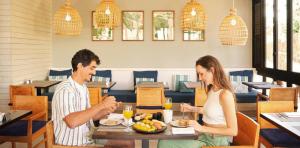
x=168, y=103
x=127, y=113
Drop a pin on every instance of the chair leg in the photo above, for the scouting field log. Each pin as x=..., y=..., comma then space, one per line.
x=13, y=145
x=29, y=145
x=46, y=140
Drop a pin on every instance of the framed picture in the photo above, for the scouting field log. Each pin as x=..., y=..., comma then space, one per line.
x=163, y=25
x=193, y=35
x=100, y=34
x=132, y=25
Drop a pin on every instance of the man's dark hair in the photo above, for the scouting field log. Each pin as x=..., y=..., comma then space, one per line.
x=85, y=57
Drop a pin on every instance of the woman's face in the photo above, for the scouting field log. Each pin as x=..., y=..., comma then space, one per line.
x=204, y=74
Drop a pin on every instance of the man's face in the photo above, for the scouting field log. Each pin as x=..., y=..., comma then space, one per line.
x=87, y=72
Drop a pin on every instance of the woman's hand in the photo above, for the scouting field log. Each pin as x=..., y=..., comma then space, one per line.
x=195, y=125
x=186, y=108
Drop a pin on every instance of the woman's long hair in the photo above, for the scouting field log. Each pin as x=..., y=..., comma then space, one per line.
x=219, y=77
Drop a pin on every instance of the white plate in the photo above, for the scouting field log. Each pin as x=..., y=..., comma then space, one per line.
x=110, y=122
x=175, y=124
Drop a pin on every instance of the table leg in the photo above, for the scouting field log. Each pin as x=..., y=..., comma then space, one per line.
x=145, y=143
x=38, y=91
x=264, y=91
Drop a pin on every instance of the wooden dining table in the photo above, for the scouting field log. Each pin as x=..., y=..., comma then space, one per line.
x=291, y=124
x=107, y=132
x=42, y=85
x=12, y=116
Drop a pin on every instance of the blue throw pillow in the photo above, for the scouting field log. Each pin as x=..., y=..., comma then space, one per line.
x=102, y=74
x=183, y=88
x=144, y=74
x=60, y=72
x=59, y=75
x=243, y=73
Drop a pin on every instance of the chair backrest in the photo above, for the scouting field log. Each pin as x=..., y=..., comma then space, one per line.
x=95, y=95
x=272, y=107
x=51, y=141
x=284, y=94
x=200, y=96
x=26, y=90
x=146, y=96
x=36, y=104
x=248, y=131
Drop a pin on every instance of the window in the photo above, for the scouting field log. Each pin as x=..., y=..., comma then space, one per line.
x=269, y=33
x=296, y=35
x=276, y=39
x=281, y=35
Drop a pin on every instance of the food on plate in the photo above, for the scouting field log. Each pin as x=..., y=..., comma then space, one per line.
x=148, y=125
x=110, y=122
x=183, y=122
x=143, y=116
x=139, y=117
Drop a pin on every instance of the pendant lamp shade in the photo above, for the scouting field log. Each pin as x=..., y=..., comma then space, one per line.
x=108, y=14
x=233, y=30
x=193, y=17
x=67, y=20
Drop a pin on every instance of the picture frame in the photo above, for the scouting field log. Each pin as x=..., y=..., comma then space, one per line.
x=163, y=25
x=194, y=35
x=100, y=34
x=133, y=25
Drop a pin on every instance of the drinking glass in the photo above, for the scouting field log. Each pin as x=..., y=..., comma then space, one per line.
x=127, y=113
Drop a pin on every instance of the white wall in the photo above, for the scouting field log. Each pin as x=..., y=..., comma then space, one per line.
x=156, y=54
x=26, y=42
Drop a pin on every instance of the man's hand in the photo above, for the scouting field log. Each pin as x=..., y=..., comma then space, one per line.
x=109, y=104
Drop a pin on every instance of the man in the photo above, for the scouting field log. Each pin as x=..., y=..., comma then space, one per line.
x=71, y=111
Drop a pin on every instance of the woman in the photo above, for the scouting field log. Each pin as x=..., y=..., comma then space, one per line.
x=219, y=111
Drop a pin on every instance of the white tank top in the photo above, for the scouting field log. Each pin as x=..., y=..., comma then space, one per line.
x=212, y=111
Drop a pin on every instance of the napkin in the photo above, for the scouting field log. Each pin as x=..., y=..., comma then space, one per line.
x=115, y=116
x=188, y=130
x=292, y=114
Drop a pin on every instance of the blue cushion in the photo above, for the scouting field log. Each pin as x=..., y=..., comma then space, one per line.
x=103, y=73
x=279, y=138
x=144, y=74
x=130, y=97
x=178, y=97
x=183, y=88
x=60, y=72
x=19, y=128
x=123, y=95
x=248, y=73
x=249, y=97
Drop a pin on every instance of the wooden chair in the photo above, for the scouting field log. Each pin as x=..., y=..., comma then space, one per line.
x=200, y=98
x=50, y=138
x=270, y=131
x=281, y=94
x=25, y=90
x=95, y=95
x=32, y=127
x=248, y=133
x=149, y=100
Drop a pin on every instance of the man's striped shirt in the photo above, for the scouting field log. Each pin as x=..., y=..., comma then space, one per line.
x=70, y=97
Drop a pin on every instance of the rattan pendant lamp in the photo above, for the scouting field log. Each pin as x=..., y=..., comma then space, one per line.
x=108, y=14
x=67, y=20
x=233, y=30
x=193, y=17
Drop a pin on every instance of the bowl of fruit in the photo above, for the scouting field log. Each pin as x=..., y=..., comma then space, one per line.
x=149, y=126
